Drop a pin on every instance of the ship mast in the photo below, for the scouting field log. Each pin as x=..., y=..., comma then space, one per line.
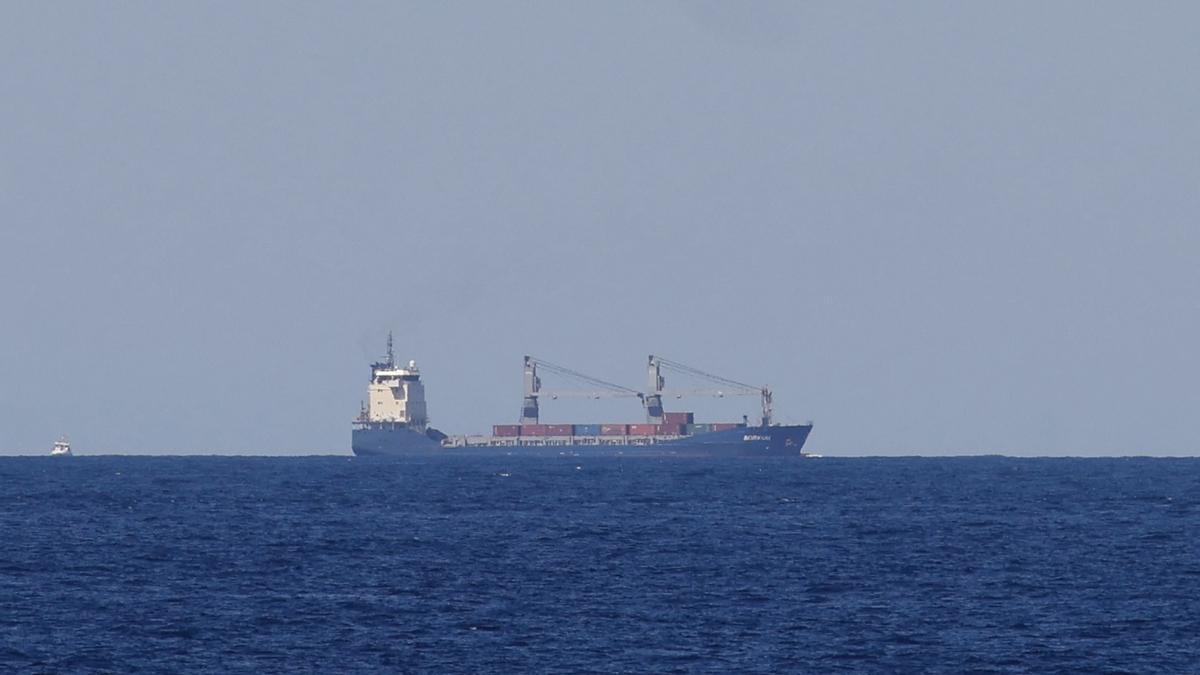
x=391, y=357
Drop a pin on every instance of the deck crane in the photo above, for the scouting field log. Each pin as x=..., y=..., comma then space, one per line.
x=657, y=364
x=533, y=387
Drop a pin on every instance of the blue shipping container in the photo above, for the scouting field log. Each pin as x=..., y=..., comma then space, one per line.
x=587, y=429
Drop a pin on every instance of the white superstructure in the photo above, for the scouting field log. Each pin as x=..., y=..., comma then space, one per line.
x=396, y=394
x=61, y=447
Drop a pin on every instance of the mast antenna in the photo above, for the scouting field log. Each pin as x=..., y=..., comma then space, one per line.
x=391, y=358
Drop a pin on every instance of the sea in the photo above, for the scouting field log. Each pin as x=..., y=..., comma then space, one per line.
x=342, y=564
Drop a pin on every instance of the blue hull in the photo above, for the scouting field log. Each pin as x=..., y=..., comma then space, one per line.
x=774, y=441
x=391, y=440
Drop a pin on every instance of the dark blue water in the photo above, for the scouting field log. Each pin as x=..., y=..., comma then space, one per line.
x=603, y=565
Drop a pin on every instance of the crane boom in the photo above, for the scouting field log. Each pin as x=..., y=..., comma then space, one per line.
x=696, y=372
x=732, y=387
x=533, y=387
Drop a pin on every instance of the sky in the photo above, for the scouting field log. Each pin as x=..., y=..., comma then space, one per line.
x=933, y=227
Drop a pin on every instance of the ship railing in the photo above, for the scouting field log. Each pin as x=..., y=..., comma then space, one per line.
x=553, y=441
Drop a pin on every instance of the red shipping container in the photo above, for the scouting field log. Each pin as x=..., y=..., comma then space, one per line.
x=559, y=429
x=506, y=430
x=614, y=429
x=642, y=429
x=679, y=418
x=669, y=429
x=533, y=429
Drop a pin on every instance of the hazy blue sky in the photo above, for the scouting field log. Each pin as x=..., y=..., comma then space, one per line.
x=933, y=227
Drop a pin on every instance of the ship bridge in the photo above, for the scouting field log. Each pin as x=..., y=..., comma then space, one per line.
x=396, y=394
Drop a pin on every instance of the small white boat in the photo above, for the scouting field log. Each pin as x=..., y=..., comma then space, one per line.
x=62, y=448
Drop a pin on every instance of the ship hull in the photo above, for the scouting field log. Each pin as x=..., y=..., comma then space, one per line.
x=773, y=441
x=391, y=440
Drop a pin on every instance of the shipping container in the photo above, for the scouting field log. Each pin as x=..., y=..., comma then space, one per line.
x=679, y=417
x=701, y=428
x=724, y=426
x=614, y=429
x=533, y=429
x=668, y=429
x=587, y=429
x=642, y=429
x=506, y=430
x=559, y=429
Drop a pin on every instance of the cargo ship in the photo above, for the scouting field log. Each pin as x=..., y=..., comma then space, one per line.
x=393, y=421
